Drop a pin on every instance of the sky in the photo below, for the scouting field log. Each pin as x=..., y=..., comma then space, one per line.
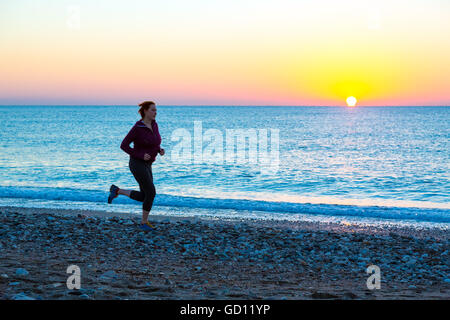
x=207, y=52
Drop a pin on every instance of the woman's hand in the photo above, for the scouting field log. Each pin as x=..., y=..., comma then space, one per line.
x=162, y=151
x=147, y=157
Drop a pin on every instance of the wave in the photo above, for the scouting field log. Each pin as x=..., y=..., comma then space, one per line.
x=375, y=211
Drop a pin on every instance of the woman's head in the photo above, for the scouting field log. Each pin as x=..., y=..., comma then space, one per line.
x=147, y=110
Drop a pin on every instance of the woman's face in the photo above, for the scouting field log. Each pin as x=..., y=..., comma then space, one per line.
x=150, y=113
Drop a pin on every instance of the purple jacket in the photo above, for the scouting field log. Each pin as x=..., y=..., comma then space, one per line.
x=144, y=141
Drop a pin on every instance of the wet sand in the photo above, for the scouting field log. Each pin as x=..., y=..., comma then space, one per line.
x=192, y=258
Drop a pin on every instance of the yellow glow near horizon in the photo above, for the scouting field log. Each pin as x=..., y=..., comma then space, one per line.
x=234, y=52
x=351, y=101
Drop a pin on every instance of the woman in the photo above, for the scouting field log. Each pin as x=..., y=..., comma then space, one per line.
x=146, y=139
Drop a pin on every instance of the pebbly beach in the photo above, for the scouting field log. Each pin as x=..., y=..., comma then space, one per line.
x=195, y=258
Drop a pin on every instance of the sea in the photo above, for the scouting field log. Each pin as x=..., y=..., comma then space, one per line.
x=363, y=165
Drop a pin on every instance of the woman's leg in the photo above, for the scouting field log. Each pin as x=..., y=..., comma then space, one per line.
x=125, y=192
x=143, y=175
x=138, y=196
x=150, y=192
x=144, y=216
x=132, y=194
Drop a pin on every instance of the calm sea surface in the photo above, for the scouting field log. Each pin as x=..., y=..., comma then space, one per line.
x=383, y=164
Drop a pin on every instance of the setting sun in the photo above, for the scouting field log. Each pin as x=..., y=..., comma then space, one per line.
x=351, y=101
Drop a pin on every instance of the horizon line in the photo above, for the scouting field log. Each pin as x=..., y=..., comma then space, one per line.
x=215, y=105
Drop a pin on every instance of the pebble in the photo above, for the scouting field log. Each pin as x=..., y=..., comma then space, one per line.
x=328, y=255
x=109, y=275
x=411, y=262
x=22, y=296
x=21, y=272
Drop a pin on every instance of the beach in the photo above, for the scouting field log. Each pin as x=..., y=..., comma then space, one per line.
x=195, y=258
x=285, y=151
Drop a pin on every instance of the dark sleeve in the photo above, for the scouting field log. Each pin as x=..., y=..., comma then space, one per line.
x=125, y=145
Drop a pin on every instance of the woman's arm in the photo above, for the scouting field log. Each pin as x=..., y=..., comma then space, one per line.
x=125, y=145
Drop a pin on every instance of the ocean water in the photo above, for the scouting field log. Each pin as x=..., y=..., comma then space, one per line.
x=377, y=164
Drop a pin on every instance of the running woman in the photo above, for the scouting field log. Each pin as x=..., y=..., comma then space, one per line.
x=146, y=146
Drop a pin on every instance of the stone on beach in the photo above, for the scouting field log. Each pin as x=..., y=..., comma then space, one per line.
x=21, y=272
x=22, y=296
x=109, y=275
x=220, y=259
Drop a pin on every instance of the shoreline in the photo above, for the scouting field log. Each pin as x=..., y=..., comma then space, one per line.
x=345, y=227
x=205, y=258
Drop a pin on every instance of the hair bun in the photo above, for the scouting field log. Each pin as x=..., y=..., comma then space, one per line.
x=144, y=106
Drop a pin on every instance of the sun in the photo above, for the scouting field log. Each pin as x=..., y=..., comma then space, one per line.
x=351, y=101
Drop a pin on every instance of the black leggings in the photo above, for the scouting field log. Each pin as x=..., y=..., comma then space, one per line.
x=142, y=172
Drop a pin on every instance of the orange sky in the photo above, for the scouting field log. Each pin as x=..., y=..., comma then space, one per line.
x=219, y=53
